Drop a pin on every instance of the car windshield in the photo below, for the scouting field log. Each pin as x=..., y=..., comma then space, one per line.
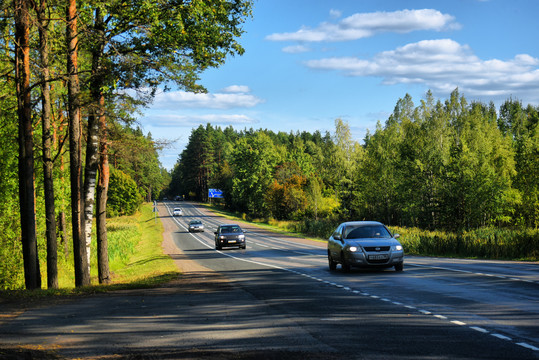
x=177, y=209
x=366, y=232
x=230, y=229
x=196, y=222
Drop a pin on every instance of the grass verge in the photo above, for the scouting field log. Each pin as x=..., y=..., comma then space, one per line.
x=136, y=260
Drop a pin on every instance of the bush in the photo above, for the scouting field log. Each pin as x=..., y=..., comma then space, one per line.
x=124, y=197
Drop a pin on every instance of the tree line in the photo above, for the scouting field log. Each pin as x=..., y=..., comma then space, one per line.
x=447, y=165
x=73, y=73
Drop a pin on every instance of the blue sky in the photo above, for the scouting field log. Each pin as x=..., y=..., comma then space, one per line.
x=309, y=62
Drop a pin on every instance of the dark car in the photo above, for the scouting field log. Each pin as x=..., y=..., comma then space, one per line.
x=196, y=225
x=229, y=235
x=364, y=244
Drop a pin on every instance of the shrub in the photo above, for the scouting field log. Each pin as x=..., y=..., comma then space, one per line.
x=124, y=197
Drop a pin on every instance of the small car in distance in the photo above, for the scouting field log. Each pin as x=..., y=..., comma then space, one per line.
x=177, y=212
x=229, y=235
x=364, y=244
x=196, y=225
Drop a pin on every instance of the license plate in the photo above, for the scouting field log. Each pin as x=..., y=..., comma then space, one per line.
x=231, y=241
x=378, y=257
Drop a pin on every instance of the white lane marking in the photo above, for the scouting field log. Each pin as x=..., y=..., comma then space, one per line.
x=481, y=330
x=456, y=322
x=500, y=336
x=528, y=346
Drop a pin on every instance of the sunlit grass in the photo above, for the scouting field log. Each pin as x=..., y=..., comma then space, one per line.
x=136, y=259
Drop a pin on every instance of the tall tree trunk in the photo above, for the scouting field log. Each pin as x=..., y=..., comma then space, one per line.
x=102, y=189
x=103, y=182
x=32, y=275
x=52, y=245
x=82, y=275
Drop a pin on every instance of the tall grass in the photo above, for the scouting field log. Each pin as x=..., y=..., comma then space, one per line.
x=485, y=243
x=135, y=255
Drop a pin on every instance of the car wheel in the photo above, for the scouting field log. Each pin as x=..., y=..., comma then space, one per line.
x=399, y=267
x=332, y=264
x=218, y=247
x=345, y=266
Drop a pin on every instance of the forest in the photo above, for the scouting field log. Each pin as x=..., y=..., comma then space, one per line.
x=74, y=76
x=443, y=165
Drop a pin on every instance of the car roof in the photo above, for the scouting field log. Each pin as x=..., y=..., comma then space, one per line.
x=361, y=223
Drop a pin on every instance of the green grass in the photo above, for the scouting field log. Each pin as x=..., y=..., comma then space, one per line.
x=136, y=260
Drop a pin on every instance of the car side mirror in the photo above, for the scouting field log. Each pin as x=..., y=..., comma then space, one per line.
x=216, y=232
x=337, y=237
x=396, y=236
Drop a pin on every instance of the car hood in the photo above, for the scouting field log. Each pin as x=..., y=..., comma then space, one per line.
x=372, y=242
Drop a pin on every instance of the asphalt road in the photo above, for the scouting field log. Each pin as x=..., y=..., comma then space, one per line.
x=277, y=299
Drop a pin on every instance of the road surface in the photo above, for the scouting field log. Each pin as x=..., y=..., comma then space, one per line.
x=277, y=299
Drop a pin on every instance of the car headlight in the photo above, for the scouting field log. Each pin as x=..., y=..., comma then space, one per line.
x=397, y=247
x=241, y=237
x=353, y=248
x=222, y=237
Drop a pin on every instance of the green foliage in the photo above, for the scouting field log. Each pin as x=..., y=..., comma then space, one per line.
x=124, y=197
x=137, y=155
x=254, y=159
x=11, y=264
x=484, y=243
x=141, y=45
x=446, y=165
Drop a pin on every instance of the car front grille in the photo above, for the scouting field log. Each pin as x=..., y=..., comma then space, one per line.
x=376, y=248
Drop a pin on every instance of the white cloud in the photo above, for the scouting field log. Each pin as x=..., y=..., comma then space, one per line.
x=364, y=25
x=296, y=49
x=235, y=96
x=443, y=65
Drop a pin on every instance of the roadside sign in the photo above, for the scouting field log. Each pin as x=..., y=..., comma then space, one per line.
x=215, y=193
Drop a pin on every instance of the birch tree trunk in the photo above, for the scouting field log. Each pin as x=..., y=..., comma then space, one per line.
x=82, y=274
x=103, y=166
